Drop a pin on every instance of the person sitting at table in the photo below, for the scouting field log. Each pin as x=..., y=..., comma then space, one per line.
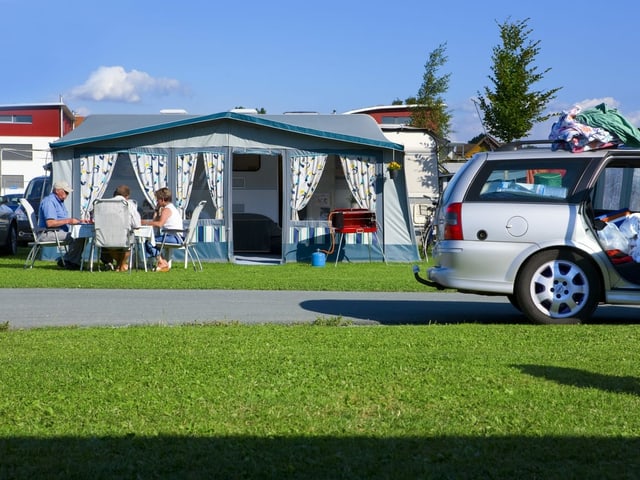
x=119, y=256
x=167, y=217
x=53, y=214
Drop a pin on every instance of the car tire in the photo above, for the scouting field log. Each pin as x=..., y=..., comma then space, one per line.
x=513, y=300
x=11, y=245
x=558, y=287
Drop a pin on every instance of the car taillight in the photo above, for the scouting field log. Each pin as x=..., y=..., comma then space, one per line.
x=453, y=222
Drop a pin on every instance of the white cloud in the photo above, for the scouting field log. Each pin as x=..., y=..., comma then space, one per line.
x=633, y=116
x=117, y=85
x=592, y=102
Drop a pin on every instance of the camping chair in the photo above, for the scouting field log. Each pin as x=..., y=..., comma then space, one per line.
x=37, y=231
x=112, y=224
x=187, y=237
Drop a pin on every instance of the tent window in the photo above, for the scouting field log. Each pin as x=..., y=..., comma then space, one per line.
x=332, y=192
x=244, y=162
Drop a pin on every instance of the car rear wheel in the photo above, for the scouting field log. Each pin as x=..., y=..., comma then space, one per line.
x=558, y=287
x=513, y=300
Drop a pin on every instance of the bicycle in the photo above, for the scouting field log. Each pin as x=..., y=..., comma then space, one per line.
x=428, y=231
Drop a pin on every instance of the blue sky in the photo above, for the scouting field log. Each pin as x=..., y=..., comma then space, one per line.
x=141, y=56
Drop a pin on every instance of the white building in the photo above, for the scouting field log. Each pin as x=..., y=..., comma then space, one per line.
x=25, y=133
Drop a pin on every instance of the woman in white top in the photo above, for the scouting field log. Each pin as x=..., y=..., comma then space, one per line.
x=167, y=217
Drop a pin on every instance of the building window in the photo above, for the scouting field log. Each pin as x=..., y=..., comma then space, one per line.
x=11, y=182
x=16, y=119
x=16, y=151
x=389, y=120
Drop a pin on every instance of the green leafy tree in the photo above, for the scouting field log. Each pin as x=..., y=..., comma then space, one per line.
x=431, y=110
x=477, y=138
x=512, y=108
x=407, y=101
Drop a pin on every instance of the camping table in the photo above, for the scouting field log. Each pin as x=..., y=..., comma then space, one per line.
x=87, y=232
x=143, y=233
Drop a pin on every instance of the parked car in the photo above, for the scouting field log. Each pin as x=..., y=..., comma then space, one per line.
x=36, y=190
x=554, y=231
x=13, y=200
x=8, y=229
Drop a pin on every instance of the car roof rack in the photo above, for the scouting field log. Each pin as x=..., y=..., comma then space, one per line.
x=523, y=144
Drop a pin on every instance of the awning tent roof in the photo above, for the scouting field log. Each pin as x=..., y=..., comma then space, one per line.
x=357, y=129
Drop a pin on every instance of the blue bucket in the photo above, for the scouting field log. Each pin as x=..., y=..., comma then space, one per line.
x=317, y=259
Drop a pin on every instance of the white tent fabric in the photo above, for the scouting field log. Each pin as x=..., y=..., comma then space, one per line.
x=360, y=173
x=166, y=151
x=95, y=172
x=151, y=173
x=306, y=172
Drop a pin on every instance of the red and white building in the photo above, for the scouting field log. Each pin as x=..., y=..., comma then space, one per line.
x=25, y=133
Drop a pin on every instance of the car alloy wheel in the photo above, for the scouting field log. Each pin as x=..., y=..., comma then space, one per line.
x=558, y=287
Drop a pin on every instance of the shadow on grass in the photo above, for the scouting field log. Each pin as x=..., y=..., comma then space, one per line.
x=319, y=457
x=411, y=312
x=583, y=379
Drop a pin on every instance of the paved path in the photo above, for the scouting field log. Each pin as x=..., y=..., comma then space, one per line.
x=28, y=308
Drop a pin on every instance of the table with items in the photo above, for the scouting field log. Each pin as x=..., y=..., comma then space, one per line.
x=87, y=232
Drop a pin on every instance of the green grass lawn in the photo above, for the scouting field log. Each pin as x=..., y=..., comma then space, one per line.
x=316, y=401
x=303, y=401
x=376, y=276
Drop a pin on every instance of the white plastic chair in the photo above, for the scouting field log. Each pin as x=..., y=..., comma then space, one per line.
x=187, y=238
x=112, y=225
x=36, y=231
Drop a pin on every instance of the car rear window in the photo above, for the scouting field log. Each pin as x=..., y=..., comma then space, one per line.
x=527, y=180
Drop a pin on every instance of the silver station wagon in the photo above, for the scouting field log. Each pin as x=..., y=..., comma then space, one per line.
x=554, y=231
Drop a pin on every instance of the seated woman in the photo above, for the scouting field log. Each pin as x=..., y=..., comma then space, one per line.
x=166, y=217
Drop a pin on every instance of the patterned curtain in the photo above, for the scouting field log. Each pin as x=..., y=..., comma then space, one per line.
x=360, y=173
x=151, y=172
x=214, y=168
x=305, y=175
x=186, y=167
x=95, y=172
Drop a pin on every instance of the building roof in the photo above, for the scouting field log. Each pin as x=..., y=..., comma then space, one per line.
x=360, y=129
x=382, y=108
x=30, y=106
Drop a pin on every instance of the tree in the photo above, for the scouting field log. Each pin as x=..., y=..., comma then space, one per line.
x=407, y=101
x=477, y=138
x=512, y=108
x=431, y=110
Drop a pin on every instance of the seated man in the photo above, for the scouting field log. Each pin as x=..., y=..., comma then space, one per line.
x=53, y=214
x=118, y=256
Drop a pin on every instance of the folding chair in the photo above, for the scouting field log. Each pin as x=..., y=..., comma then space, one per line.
x=37, y=232
x=187, y=238
x=112, y=226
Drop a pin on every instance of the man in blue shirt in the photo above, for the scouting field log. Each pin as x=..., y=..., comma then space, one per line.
x=54, y=215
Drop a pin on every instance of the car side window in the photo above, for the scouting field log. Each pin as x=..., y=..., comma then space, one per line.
x=526, y=180
x=617, y=188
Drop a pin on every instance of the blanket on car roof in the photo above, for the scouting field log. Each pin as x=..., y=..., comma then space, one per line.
x=569, y=134
x=609, y=119
x=594, y=128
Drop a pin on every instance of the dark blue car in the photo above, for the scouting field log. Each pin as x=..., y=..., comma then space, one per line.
x=8, y=229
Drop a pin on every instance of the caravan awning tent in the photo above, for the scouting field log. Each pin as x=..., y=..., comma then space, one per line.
x=270, y=181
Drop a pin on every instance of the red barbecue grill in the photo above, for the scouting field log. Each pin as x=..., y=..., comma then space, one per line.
x=353, y=220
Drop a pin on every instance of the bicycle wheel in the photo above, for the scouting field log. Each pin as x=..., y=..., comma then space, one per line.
x=426, y=240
